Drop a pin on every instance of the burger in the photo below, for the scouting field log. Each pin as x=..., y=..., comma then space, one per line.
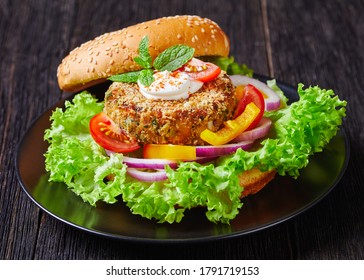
x=181, y=125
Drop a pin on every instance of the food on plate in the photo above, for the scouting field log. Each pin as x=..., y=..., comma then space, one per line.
x=182, y=124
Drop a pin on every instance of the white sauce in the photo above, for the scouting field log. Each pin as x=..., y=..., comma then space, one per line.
x=170, y=86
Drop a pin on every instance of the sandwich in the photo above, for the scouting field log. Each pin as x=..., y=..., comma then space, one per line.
x=181, y=125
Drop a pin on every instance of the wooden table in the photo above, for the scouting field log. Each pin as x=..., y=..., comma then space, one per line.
x=313, y=42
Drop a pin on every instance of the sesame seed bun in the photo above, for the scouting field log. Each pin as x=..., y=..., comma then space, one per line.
x=254, y=180
x=113, y=53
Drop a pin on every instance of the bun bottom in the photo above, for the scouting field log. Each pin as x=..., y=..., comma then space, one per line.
x=254, y=180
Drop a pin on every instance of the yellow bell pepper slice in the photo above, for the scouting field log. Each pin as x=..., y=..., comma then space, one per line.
x=172, y=152
x=232, y=128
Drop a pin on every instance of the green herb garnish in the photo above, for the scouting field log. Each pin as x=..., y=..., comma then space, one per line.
x=173, y=58
x=170, y=60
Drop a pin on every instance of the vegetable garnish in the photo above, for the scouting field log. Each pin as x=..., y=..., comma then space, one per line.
x=174, y=152
x=199, y=154
x=251, y=94
x=232, y=128
x=271, y=98
x=170, y=59
x=201, y=71
x=73, y=157
x=260, y=131
x=229, y=65
x=109, y=136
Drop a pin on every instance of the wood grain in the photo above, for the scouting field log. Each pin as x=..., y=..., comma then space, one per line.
x=325, y=47
x=314, y=42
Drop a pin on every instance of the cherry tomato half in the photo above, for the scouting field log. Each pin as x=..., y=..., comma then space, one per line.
x=251, y=94
x=109, y=136
x=200, y=70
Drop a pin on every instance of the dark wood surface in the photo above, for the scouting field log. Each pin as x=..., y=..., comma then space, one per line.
x=314, y=42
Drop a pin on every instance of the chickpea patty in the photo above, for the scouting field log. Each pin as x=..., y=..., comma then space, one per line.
x=178, y=122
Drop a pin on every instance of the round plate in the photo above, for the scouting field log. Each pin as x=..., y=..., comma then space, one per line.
x=281, y=199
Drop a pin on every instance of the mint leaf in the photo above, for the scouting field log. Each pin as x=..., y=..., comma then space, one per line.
x=130, y=77
x=144, y=59
x=146, y=77
x=173, y=58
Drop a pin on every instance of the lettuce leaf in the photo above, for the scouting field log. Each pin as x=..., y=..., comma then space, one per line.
x=229, y=65
x=299, y=130
x=74, y=158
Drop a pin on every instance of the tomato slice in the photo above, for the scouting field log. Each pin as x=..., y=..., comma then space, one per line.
x=250, y=94
x=200, y=70
x=109, y=136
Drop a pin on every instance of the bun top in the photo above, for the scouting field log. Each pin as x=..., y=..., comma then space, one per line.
x=113, y=53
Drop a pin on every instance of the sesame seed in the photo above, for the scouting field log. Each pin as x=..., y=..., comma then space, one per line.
x=80, y=60
x=111, y=62
x=179, y=36
x=90, y=60
x=107, y=49
x=115, y=44
x=97, y=54
x=203, y=30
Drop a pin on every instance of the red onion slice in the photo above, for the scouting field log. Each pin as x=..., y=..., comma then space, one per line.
x=272, y=102
x=146, y=163
x=149, y=163
x=145, y=176
x=258, y=132
x=222, y=150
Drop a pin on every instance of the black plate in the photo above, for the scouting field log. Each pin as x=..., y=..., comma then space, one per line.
x=282, y=199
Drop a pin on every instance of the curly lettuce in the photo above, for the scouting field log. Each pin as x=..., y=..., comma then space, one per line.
x=74, y=158
x=299, y=130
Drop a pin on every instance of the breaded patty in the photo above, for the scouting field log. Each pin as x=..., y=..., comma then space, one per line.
x=178, y=122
